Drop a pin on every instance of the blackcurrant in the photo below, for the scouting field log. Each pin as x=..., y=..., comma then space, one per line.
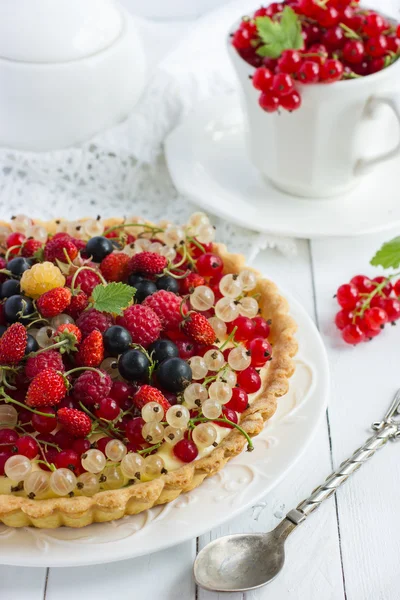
x=168, y=283
x=18, y=265
x=98, y=248
x=133, y=365
x=17, y=307
x=31, y=345
x=9, y=288
x=174, y=374
x=2, y=329
x=134, y=279
x=143, y=289
x=162, y=349
x=116, y=340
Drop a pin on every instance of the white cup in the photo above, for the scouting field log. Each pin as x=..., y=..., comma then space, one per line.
x=325, y=147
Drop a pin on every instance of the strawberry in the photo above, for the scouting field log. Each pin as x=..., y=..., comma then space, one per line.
x=79, y=302
x=147, y=394
x=147, y=263
x=187, y=285
x=53, y=302
x=13, y=344
x=75, y=422
x=91, y=350
x=30, y=247
x=68, y=332
x=48, y=388
x=60, y=248
x=199, y=329
x=114, y=267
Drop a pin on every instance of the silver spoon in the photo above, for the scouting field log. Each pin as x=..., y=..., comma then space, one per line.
x=245, y=561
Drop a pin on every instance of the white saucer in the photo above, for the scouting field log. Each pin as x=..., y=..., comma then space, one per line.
x=208, y=163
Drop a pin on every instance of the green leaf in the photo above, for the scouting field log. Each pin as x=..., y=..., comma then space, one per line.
x=39, y=255
x=112, y=298
x=279, y=35
x=388, y=255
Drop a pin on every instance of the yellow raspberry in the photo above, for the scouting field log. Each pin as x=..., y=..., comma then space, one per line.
x=41, y=278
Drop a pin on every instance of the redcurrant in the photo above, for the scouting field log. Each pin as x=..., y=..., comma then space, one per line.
x=261, y=352
x=262, y=79
x=108, y=409
x=282, y=84
x=347, y=295
x=291, y=101
x=239, y=401
x=249, y=380
x=27, y=446
x=185, y=450
x=362, y=283
x=268, y=102
x=353, y=51
x=209, y=265
x=392, y=308
x=245, y=328
x=308, y=72
x=376, y=46
x=331, y=71
x=387, y=289
x=343, y=318
x=375, y=317
x=352, y=334
x=262, y=327
x=289, y=61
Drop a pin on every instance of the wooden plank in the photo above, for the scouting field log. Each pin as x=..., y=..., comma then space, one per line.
x=364, y=380
x=19, y=583
x=313, y=568
x=164, y=575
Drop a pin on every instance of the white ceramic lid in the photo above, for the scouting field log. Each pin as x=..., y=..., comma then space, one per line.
x=49, y=31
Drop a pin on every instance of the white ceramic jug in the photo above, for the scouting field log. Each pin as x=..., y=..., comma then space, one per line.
x=68, y=69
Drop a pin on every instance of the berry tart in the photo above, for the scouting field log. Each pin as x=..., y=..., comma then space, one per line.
x=135, y=361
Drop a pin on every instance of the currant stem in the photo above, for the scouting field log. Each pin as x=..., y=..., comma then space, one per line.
x=250, y=446
x=377, y=290
x=52, y=347
x=230, y=338
x=76, y=369
x=122, y=225
x=150, y=449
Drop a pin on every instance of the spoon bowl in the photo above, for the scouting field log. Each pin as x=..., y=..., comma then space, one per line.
x=240, y=562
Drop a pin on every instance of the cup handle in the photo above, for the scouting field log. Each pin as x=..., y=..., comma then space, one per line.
x=364, y=165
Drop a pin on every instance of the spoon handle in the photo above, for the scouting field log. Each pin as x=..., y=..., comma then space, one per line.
x=387, y=430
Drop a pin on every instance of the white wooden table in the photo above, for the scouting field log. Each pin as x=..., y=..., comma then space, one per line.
x=350, y=548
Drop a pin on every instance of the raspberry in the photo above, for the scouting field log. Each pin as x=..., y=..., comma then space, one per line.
x=74, y=421
x=48, y=388
x=114, y=267
x=92, y=386
x=54, y=302
x=91, y=350
x=190, y=282
x=147, y=394
x=142, y=323
x=61, y=248
x=41, y=278
x=80, y=245
x=85, y=280
x=30, y=247
x=78, y=304
x=166, y=305
x=13, y=344
x=147, y=263
x=93, y=319
x=45, y=360
x=199, y=329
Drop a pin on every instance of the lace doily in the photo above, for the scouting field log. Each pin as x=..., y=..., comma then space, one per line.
x=122, y=171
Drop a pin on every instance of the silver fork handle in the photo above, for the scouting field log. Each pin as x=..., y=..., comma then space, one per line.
x=337, y=478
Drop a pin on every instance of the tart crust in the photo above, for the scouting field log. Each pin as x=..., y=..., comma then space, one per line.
x=17, y=511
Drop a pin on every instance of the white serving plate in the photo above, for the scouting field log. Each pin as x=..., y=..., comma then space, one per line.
x=209, y=163
x=241, y=483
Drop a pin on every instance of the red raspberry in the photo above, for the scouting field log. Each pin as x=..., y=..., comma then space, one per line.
x=92, y=386
x=190, y=282
x=30, y=247
x=85, y=280
x=80, y=244
x=75, y=422
x=92, y=319
x=13, y=344
x=53, y=302
x=199, y=329
x=142, y=323
x=78, y=304
x=59, y=248
x=147, y=263
x=48, y=388
x=166, y=305
x=114, y=267
x=91, y=350
x=45, y=360
x=147, y=394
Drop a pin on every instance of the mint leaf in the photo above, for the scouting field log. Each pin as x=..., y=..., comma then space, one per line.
x=279, y=35
x=112, y=298
x=388, y=255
